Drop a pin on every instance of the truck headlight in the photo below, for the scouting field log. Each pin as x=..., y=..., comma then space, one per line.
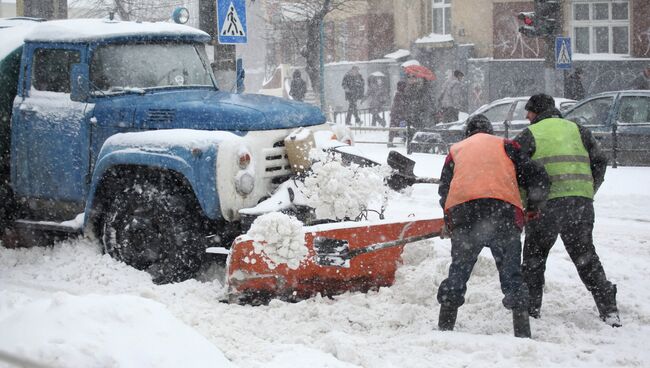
x=244, y=183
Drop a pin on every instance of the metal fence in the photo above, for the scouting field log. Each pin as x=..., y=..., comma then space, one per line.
x=365, y=131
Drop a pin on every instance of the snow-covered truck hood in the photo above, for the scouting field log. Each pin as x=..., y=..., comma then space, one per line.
x=203, y=109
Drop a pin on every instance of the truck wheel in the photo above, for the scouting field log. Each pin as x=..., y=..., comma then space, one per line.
x=8, y=208
x=154, y=230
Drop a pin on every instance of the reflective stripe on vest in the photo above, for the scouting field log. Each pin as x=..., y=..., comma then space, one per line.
x=482, y=169
x=559, y=147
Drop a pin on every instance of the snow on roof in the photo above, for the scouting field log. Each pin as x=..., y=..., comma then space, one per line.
x=435, y=38
x=92, y=29
x=401, y=53
x=410, y=62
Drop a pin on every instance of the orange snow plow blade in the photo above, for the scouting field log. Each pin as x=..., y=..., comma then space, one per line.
x=249, y=279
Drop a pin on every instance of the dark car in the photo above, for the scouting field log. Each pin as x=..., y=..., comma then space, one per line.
x=508, y=117
x=620, y=120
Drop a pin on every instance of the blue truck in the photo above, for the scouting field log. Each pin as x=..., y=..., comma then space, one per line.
x=118, y=130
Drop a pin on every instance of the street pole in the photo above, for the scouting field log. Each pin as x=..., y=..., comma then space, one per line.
x=225, y=64
x=322, y=68
x=549, y=66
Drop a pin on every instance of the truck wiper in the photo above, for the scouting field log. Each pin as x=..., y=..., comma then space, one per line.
x=137, y=90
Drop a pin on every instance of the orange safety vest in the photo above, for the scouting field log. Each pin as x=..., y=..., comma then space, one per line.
x=482, y=169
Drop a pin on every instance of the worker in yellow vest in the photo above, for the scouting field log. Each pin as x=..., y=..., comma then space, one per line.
x=479, y=192
x=576, y=166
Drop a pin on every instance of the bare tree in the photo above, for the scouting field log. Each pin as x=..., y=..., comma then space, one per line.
x=303, y=19
x=145, y=10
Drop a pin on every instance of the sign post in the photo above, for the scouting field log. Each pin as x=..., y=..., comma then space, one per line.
x=563, y=56
x=231, y=22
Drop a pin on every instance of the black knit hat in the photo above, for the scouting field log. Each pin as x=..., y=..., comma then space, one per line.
x=478, y=124
x=540, y=102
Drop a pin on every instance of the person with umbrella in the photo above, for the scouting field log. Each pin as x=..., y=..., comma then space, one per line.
x=419, y=101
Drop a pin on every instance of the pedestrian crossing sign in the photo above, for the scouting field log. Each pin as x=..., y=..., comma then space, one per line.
x=563, y=53
x=231, y=21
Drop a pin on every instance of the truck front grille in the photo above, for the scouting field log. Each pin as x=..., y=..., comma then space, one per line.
x=276, y=163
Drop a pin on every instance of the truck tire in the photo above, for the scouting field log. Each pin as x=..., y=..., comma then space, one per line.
x=7, y=210
x=155, y=230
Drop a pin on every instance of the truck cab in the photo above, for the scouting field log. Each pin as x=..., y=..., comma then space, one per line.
x=120, y=127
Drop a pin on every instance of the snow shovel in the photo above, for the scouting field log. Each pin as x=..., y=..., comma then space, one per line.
x=404, y=176
x=337, y=252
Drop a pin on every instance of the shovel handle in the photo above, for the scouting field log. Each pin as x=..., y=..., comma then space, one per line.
x=420, y=180
x=389, y=244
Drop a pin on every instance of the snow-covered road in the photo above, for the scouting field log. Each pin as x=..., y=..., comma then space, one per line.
x=70, y=306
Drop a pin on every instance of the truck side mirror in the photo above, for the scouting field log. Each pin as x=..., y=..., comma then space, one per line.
x=79, y=83
x=241, y=74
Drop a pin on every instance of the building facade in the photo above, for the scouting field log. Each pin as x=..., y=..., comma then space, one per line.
x=610, y=40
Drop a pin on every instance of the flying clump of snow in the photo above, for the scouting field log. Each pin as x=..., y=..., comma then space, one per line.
x=338, y=191
x=280, y=238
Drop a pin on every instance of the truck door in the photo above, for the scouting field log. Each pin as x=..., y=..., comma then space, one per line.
x=50, y=134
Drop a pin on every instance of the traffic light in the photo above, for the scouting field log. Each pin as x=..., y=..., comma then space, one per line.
x=529, y=26
x=549, y=14
x=543, y=21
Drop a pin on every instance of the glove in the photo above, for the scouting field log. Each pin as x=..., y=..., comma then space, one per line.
x=531, y=216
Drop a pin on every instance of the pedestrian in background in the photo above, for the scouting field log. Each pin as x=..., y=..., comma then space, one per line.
x=451, y=98
x=376, y=100
x=576, y=166
x=397, y=112
x=420, y=106
x=298, y=88
x=643, y=80
x=354, y=88
x=479, y=191
x=573, y=88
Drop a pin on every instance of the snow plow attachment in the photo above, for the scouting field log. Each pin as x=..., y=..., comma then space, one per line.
x=340, y=257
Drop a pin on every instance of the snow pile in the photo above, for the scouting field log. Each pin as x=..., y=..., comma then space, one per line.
x=280, y=238
x=104, y=331
x=337, y=191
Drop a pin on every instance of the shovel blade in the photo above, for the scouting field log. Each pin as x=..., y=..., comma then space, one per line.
x=332, y=252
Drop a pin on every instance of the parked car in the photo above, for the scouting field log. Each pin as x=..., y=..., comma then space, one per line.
x=507, y=115
x=620, y=120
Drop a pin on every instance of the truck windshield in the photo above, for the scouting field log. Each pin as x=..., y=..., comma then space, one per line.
x=133, y=67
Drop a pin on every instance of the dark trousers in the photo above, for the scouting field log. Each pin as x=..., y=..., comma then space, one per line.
x=377, y=119
x=352, y=110
x=572, y=218
x=498, y=232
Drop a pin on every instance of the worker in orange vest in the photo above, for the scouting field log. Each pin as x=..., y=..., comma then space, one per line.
x=480, y=194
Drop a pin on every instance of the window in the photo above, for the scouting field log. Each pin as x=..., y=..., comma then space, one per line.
x=520, y=111
x=51, y=69
x=601, y=26
x=441, y=16
x=114, y=68
x=634, y=110
x=592, y=113
x=498, y=113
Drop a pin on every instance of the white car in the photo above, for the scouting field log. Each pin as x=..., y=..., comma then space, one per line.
x=508, y=117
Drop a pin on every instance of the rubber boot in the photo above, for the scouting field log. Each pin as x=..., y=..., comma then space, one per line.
x=520, y=323
x=447, y=318
x=607, y=309
x=535, y=302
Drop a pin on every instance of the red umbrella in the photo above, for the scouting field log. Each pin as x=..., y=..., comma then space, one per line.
x=420, y=72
